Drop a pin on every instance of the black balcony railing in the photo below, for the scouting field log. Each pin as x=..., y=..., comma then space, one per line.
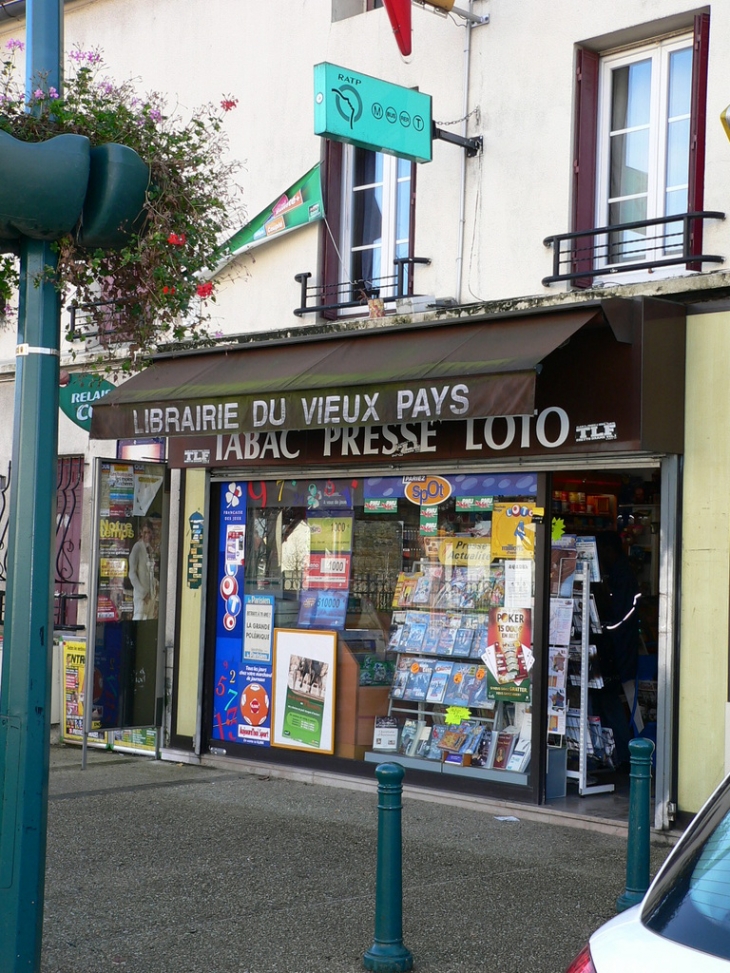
x=321, y=298
x=642, y=245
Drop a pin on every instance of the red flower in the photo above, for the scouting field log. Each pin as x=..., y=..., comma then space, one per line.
x=204, y=290
x=229, y=103
x=168, y=290
x=177, y=239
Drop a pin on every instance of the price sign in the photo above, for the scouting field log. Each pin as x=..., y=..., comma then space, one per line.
x=328, y=571
x=330, y=535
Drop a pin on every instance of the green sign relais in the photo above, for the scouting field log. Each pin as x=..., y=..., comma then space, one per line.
x=373, y=114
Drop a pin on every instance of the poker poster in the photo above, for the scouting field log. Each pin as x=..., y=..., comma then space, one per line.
x=242, y=690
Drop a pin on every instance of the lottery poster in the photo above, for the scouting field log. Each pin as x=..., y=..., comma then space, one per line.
x=244, y=625
x=508, y=656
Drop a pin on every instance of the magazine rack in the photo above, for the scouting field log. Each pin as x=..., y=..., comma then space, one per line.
x=583, y=578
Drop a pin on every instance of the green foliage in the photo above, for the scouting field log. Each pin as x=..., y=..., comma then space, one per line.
x=157, y=288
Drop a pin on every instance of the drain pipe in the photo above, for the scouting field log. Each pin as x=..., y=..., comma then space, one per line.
x=468, y=27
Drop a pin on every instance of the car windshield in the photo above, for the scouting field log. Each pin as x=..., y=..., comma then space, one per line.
x=690, y=901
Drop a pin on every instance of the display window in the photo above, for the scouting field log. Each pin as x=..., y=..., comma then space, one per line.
x=367, y=616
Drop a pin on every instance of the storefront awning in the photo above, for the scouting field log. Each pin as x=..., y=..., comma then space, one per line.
x=440, y=372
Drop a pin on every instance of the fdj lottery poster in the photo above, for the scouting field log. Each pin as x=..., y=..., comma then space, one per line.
x=242, y=694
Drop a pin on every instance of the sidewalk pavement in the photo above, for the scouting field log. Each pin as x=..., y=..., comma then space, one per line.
x=163, y=867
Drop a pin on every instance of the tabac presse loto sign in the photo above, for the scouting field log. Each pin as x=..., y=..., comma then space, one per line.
x=373, y=114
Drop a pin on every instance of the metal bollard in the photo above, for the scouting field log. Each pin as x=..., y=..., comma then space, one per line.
x=388, y=954
x=637, y=856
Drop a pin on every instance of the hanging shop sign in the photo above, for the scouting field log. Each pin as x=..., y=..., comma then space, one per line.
x=373, y=114
x=298, y=206
x=77, y=397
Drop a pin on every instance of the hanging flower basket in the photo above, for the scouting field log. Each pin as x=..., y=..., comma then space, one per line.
x=137, y=261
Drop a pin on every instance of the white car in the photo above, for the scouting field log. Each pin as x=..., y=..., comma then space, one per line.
x=682, y=925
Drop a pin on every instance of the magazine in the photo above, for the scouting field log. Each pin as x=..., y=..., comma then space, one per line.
x=419, y=677
x=385, y=734
x=407, y=736
x=439, y=681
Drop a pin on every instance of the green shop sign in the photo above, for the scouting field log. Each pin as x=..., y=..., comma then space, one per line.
x=373, y=114
x=77, y=398
x=297, y=206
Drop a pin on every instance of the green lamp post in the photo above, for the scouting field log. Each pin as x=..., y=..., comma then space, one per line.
x=49, y=185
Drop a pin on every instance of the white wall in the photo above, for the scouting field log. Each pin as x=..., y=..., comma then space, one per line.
x=520, y=83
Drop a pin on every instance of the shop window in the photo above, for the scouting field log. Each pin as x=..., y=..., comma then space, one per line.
x=370, y=208
x=639, y=155
x=429, y=585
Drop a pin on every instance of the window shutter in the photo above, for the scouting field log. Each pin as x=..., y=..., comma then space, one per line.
x=584, y=158
x=330, y=275
x=698, y=120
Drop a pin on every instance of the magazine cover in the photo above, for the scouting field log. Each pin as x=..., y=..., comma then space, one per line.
x=407, y=736
x=434, y=750
x=563, y=561
x=385, y=733
x=506, y=741
x=404, y=587
x=561, y=620
x=447, y=637
x=439, y=681
x=430, y=643
x=419, y=677
x=454, y=694
x=413, y=632
x=475, y=686
x=423, y=741
x=400, y=679
x=483, y=756
x=427, y=586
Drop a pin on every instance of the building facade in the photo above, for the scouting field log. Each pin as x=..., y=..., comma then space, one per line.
x=528, y=318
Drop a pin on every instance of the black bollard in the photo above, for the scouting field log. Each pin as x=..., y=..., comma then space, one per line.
x=637, y=855
x=388, y=954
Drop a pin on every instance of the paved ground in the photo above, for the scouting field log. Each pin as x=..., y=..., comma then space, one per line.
x=158, y=867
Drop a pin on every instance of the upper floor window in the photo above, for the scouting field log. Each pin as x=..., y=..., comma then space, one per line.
x=370, y=204
x=342, y=9
x=639, y=154
x=376, y=218
x=644, y=137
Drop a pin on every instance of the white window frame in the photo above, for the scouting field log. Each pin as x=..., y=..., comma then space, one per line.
x=659, y=52
x=389, y=243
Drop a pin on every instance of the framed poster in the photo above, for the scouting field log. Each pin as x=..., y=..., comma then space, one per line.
x=304, y=690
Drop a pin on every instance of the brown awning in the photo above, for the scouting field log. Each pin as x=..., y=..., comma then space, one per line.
x=444, y=371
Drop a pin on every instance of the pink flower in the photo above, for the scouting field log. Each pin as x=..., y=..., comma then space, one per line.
x=204, y=290
x=177, y=239
x=39, y=94
x=15, y=45
x=52, y=93
x=90, y=57
x=229, y=103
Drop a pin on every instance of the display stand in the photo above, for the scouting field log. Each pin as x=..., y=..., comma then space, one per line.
x=581, y=775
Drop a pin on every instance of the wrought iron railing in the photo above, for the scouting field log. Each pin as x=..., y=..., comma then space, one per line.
x=641, y=245
x=69, y=496
x=320, y=298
